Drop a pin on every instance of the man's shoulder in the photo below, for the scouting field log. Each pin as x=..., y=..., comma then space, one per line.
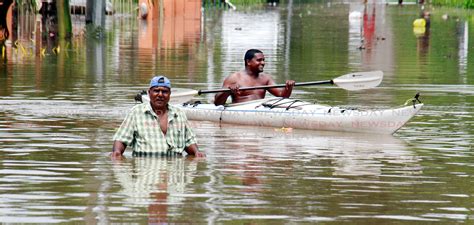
x=139, y=107
x=234, y=76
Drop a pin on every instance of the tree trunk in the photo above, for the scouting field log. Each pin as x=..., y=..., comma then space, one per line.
x=64, y=19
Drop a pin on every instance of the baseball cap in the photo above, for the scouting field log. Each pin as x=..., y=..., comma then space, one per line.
x=160, y=81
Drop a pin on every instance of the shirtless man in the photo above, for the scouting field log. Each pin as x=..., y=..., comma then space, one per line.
x=251, y=76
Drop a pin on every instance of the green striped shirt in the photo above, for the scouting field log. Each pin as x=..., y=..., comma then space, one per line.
x=141, y=130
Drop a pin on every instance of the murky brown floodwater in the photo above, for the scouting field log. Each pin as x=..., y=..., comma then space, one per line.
x=58, y=115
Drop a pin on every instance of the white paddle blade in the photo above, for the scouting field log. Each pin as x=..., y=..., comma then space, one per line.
x=182, y=95
x=178, y=95
x=359, y=80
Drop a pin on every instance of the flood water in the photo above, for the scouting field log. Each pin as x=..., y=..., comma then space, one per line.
x=59, y=112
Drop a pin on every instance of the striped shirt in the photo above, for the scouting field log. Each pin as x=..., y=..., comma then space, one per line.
x=141, y=130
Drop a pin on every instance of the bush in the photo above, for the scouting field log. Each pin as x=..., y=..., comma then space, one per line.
x=468, y=4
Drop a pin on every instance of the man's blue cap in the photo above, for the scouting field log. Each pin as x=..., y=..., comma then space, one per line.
x=160, y=81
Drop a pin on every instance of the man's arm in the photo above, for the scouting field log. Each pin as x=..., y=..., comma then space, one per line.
x=194, y=150
x=282, y=92
x=221, y=98
x=190, y=139
x=124, y=136
x=117, y=149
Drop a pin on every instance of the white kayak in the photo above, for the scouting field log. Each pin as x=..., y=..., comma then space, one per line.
x=293, y=113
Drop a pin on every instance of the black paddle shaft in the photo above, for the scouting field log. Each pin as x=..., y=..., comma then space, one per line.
x=267, y=86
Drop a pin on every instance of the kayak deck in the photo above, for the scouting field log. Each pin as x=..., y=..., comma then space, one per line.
x=284, y=112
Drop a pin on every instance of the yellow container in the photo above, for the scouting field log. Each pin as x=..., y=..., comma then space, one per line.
x=419, y=23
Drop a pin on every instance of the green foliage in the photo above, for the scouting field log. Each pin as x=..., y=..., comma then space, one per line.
x=468, y=4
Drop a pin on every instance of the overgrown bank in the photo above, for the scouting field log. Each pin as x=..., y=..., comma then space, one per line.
x=468, y=4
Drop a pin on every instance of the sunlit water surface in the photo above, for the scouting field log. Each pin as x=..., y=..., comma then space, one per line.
x=58, y=115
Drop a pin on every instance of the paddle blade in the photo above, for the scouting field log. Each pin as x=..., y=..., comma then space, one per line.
x=182, y=95
x=178, y=95
x=359, y=80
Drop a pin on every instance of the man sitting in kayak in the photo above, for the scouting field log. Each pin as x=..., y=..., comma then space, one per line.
x=251, y=76
x=156, y=128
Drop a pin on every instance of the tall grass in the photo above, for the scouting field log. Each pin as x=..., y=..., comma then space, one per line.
x=468, y=4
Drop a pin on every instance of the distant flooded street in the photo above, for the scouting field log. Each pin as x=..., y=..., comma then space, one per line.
x=59, y=111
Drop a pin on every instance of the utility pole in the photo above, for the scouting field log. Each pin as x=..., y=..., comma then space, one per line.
x=95, y=15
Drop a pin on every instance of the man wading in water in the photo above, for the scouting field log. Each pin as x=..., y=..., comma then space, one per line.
x=251, y=76
x=156, y=128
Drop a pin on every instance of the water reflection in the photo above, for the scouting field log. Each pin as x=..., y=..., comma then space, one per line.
x=369, y=27
x=351, y=154
x=252, y=166
x=369, y=36
x=53, y=109
x=57, y=116
x=421, y=29
x=463, y=36
x=240, y=32
x=179, y=24
x=377, y=37
x=96, y=61
x=157, y=184
x=355, y=33
x=423, y=42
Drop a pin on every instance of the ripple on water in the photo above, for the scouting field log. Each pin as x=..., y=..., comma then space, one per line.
x=51, y=110
x=251, y=175
x=28, y=217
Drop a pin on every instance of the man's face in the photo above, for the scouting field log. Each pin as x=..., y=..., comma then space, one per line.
x=257, y=63
x=159, y=97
